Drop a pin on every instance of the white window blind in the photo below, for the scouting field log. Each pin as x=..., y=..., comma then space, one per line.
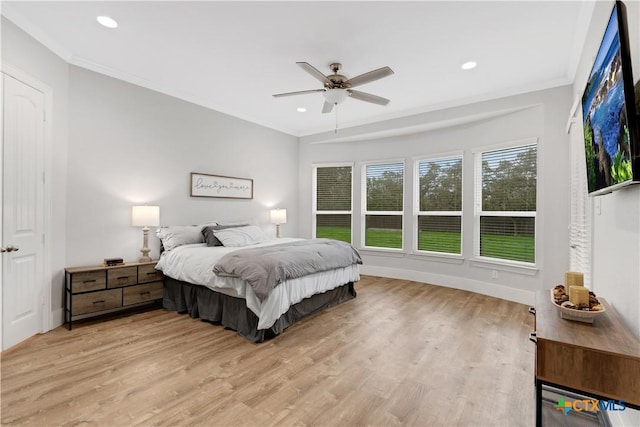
x=506, y=203
x=332, y=202
x=439, y=201
x=580, y=226
x=383, y=205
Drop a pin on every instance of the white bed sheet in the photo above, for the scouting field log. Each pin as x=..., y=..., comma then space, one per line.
x=194, y=264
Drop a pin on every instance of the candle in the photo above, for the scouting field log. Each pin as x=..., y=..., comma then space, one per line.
x=573, y=278
x=579, y=295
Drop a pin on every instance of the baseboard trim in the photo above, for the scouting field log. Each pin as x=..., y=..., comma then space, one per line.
x=477, y=286
x=57, y=318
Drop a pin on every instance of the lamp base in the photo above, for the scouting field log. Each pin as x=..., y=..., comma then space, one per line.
x=145, y=246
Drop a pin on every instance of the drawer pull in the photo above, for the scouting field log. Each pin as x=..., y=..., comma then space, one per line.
x=145, y=293
x=532, y=338
x=99, y=301
x=152, y=273
x=89, y=281
x=532, y=310
x=123, y=277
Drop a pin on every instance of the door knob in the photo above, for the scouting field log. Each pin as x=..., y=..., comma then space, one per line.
x=9, y=248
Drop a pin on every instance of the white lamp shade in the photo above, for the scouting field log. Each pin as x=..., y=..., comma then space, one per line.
x=335, y=96
x=145, y=216
x=278, y=216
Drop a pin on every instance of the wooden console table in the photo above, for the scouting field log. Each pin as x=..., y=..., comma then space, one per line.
x=601, y=360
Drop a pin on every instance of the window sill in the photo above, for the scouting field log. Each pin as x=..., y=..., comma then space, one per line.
x=511, y=267
x=399, y=253
x=438, y=257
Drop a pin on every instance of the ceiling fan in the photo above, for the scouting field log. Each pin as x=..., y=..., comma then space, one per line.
x=337, y=87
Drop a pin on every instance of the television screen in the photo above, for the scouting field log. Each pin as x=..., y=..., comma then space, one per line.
x=610, y=122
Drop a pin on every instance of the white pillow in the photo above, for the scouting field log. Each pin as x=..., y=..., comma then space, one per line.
x=179, y=235
x=238, y=222
x=241, y=236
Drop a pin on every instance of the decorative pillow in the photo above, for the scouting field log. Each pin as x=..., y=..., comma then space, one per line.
x=241, y=236
x=178, y=235
x=210, y=238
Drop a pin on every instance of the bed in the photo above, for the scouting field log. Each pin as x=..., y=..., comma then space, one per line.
x=192, y=287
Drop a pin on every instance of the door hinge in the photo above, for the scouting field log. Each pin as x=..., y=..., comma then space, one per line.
x=43, y=239
x=43, y=177
x=44, y=115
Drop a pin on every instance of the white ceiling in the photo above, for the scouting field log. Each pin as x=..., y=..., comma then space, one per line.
x=232, y=56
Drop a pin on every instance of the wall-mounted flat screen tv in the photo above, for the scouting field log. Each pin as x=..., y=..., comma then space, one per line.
x=611, y=138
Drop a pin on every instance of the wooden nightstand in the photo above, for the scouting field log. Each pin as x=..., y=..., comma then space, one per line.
x=97, y=290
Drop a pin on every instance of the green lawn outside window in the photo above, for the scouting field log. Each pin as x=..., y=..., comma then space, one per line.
x=518, y=248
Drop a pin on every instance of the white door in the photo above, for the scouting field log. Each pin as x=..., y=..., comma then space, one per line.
x=22, y=211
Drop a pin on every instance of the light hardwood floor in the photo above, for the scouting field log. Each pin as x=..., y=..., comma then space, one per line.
x=401, y=353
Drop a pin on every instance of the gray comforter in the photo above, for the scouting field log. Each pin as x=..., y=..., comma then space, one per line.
x=266, y=267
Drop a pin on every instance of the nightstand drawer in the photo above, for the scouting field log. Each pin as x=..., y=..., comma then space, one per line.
x=148, y=273
x=142, y=293
x=124, y=276
x=89, y=281
x=96, y=301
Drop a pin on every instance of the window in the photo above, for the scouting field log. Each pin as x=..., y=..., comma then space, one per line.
x=383, y=204
x=439, y=204
x=332, y=202
x=506, y=203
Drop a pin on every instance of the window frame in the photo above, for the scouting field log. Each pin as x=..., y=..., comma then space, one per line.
x=363, y=205
x=491, y=262
x=314, y=196
x=416, y=204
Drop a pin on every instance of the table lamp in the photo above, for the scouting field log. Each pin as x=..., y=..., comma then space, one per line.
x=145, y=216
x=278, y=216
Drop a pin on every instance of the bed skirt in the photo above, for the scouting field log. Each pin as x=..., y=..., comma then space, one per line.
x=232, y=312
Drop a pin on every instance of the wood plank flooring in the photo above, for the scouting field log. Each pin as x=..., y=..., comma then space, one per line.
x=401, y=353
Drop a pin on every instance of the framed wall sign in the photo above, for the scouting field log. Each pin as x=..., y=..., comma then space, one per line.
x=204, y=185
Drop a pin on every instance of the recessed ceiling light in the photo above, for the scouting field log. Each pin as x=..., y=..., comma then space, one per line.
x=469, y=65
x=301, y=110
x=107, y=21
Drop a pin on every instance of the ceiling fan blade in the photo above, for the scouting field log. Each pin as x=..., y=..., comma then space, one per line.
x=301, y=92
x=363, y=96
x=369, y=77
x=315, y=73
x=327, y=107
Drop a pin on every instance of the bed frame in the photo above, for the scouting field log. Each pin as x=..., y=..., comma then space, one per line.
x=232, y=312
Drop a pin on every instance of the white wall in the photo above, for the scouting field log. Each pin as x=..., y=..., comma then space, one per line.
x=24, y=53
x=616, y=216
x=540, y=114
x=116, y=145
x=129, y=145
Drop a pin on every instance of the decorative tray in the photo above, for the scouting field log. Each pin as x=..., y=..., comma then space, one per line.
x=585, y=314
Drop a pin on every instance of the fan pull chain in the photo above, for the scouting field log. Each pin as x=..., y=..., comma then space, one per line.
x=335, y=131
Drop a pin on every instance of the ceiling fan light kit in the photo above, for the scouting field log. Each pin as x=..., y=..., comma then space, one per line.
x=335, y=96
x=337, y=88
